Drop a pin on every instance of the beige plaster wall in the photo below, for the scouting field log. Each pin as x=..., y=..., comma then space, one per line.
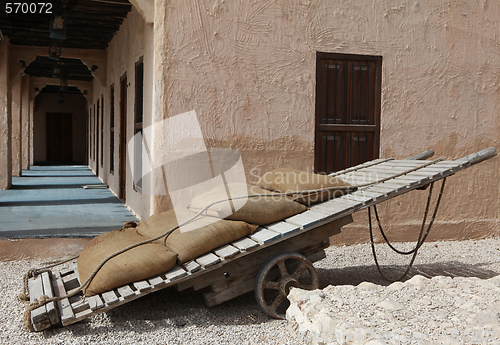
x=5, y=118
x=248, y=69
x=25, y=123
x=133, y=40
x=16, y=89
x=74, y=104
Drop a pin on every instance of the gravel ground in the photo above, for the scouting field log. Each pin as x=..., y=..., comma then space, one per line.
x=170, y=317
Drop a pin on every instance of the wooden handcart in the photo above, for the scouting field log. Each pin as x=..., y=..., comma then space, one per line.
x=270, y=261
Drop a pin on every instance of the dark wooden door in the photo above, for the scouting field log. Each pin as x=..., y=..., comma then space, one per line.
x=123, y=140
x=348, y=97
x=97, y=140
x=59, y=137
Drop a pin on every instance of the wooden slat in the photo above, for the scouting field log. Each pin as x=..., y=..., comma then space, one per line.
x=126, y=291
x=66, y=271
x=367, y=193
x=264, y=236
x=331, y=207
x=413, y=178
x=226, y=252
x=208, y=260
x=306, y=219
x=39, y=319
x=71, y=281
x=453, y=164
x=95, y=302
x=51, y=306
x=142, y=285
x=360, y=178
x=283, y=228
x=391, y=169
x=359, y=197
x=405, y=181
x=245, y=244
x=110, y=297
x=192, y=266
x=80, y=305
x=175, y=273
x=215, y=298
x=157, y=281
x=438, y=170
x=35, y=288
x=406, y=163
x=346, y=204
x=359, y=166
x=64, y=305
x=83, y=315
x=380, y=188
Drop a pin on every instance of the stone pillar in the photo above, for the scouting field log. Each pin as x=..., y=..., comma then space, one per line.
x=32, y=94
x=5, y=118
x=159, y=203
x=25, y=123
x=31, y=114
x=16, y=133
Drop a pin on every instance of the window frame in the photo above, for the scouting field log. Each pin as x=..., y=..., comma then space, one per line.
x=345, y=100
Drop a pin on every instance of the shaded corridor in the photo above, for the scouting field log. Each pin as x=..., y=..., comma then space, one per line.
x=50, y=201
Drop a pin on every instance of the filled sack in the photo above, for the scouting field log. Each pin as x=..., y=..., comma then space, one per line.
x=136, y=264
x=190, y=244
x=263, y=209
x=288, y=180
x=160, y=223
x=197, y=237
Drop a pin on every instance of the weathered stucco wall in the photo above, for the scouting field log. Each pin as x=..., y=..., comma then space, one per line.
x=5, y=118
x=25, y=123
x=47, y=103
x=248, y=69
x=16, y=89
x=124, y=50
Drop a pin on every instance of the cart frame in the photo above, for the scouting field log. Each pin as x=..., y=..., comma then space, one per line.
x=233, y=269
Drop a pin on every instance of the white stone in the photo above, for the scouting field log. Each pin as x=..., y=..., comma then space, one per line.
x=468, y=305
x=368, y=314
x=418, y=280
x=368, y=286
x=390, y=305
x=396, y=286
x=424, y=301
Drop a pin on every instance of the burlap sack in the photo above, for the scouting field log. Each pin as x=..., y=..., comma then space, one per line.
x=198, y=237
x=158, y=224
x=136, y=264
x=261, y=210
x=288, y=180
x=191, y=244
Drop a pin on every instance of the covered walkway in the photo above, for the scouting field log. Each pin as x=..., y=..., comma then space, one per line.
x=50, y=201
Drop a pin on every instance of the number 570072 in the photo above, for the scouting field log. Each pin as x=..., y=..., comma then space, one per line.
x=24, y=7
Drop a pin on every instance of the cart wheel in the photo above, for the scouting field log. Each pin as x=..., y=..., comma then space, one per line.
x=277, y=276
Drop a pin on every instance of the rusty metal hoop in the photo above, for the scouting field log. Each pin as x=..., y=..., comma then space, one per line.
x=277, y=276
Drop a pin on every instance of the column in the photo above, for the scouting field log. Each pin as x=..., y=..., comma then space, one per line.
x=16, y=133
x=25, y=123
x=5, y=118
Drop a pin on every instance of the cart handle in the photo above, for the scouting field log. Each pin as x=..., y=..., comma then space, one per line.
x=478, y=156
x=422, y=155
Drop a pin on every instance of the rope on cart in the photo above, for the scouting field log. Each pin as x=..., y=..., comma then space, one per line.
x=24, y=297
x=421, y=237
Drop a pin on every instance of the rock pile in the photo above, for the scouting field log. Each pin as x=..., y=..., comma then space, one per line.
x=441, y=310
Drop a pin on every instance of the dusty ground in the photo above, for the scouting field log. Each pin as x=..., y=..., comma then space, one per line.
x=44, y=249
